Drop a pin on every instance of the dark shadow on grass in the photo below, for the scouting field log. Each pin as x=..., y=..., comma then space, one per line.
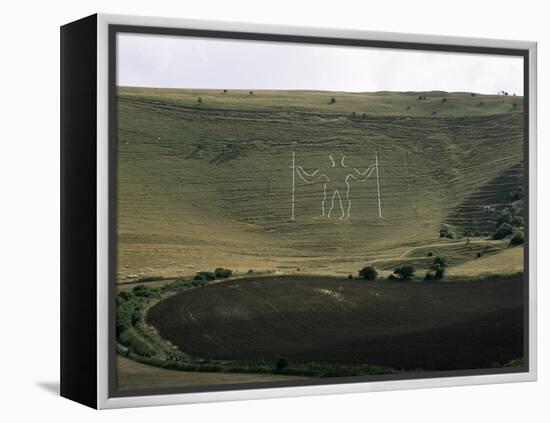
x=51, y=387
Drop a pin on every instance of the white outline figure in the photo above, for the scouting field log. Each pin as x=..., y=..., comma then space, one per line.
x=336, y=185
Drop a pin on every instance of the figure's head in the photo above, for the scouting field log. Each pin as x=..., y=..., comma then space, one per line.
x=337, y=160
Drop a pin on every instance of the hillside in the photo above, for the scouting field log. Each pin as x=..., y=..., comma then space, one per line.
x=209, y=184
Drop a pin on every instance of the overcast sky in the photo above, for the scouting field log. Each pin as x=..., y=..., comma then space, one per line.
x=186, y=62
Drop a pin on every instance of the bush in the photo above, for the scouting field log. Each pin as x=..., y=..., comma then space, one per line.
x=447, y=231
x=222, y=273
x=281, y=364
x=392, y=277
x=134, y=343
x=124, y=313
x=429, y=276
x=503, y=231
x=136, y=316
x=124, y=296
x=204, y=276
x=517, y=221
x=143, y=291
x=516, y=195
x=369, y=273
x=438, y=266
x=517, y=239
x=175, y=285
x=439, y=262
x=404, y=272
x=504, y=217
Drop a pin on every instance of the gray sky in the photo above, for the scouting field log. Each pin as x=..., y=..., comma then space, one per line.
x=186, y=62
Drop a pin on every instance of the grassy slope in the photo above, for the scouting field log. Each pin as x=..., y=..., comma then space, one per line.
x=208, y=185
x=134, y=375
x=508, y=261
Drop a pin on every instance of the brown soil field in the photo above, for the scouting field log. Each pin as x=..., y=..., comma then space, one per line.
x=446, y=325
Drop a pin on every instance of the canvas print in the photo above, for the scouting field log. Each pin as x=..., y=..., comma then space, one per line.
x=298, y=213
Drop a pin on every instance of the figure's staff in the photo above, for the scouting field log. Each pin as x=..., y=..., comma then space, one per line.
x=378, y=185
x=293, y=182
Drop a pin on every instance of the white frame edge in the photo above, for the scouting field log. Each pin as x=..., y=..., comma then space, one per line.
x=104, y=401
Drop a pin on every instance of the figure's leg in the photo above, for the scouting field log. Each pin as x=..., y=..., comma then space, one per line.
x=341, y=205
x=323, y=202
x=332, y=204
x=348, y=203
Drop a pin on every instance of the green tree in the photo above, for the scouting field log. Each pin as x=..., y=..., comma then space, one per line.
x=222, y=273
x=404, y=272
x=504, y=217
x=503, y=231
x=517, y=239
x=517, y=221
x=516, y=195
x=143, y=291
x=201, y=276
x=124, y=295
x=438, y=266
x=369, y=273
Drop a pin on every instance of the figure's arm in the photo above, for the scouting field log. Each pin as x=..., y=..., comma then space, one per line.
x=361, y=175
x=310, y=178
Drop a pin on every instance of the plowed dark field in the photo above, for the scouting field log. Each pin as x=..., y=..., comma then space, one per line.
x=432, y=326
